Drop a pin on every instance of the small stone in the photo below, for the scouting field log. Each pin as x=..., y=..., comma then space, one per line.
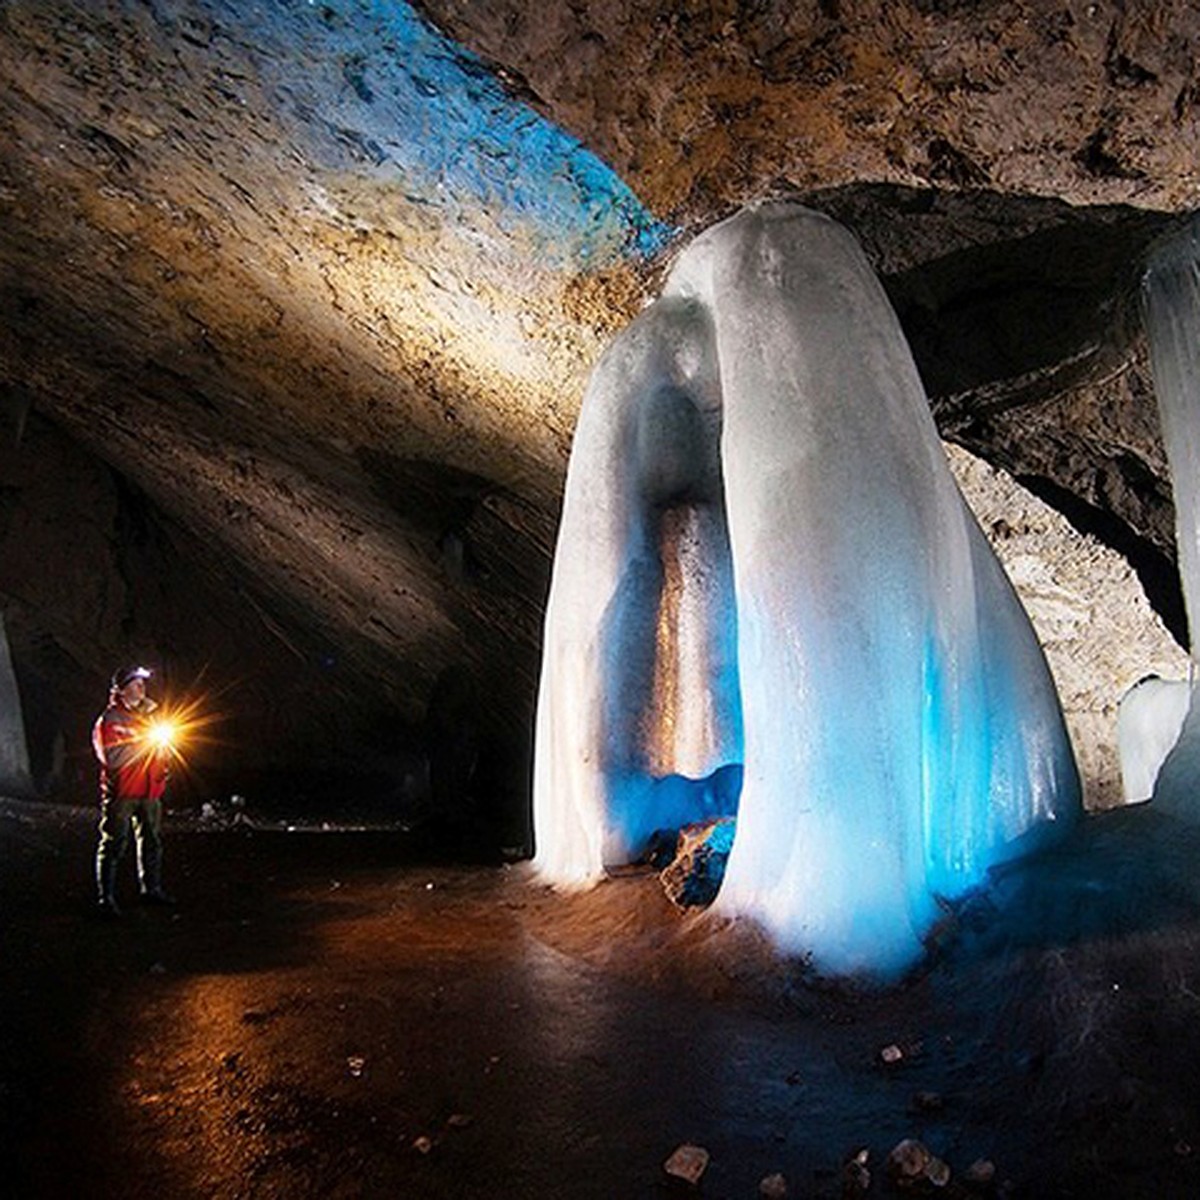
x=422, y=1144
x=891, y=1055
x=687, y=1162
x=693, y=877
x=907, y=1161
x=459, y=1120
x=773, y=1187
x=355, y=1064
x=856, y=1178
x=980, y=1173
x=937, y=1172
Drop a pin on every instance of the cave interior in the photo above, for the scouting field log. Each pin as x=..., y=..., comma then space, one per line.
x=298, y=305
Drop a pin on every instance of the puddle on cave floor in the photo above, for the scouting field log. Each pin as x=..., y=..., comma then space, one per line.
x=328, y=1016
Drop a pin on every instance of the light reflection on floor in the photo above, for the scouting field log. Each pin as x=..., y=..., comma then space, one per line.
x=320, y=1018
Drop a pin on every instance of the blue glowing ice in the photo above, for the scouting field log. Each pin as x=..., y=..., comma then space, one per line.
x=381, y=94
x=764, y=560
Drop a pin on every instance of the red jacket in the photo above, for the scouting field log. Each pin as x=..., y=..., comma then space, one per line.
x=130, y=767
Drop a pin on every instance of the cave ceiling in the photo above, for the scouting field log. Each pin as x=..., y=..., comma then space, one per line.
x=298, y=300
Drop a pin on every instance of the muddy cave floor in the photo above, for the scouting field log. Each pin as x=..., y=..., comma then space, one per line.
x=343, y=1014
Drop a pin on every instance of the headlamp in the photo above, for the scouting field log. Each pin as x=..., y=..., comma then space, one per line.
x=124, y=675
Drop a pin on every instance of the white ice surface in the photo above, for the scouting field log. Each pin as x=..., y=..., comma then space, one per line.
x=1149, y=720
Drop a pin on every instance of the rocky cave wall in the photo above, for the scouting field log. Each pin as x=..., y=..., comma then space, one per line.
x=287, y=396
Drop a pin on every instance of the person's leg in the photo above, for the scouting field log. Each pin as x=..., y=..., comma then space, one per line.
x=147, y=818
x=114, y=837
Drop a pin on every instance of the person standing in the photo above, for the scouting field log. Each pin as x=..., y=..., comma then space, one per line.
x=133, y=780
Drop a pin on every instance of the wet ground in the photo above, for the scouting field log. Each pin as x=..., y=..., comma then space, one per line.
x=338, y=1015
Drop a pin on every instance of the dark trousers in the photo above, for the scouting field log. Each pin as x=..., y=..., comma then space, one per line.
x=116, y=816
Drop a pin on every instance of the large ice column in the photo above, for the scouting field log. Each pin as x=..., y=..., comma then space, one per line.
x=638, y=692
x=1171, y=305
x=901, y=731
x=1171, y=300
x=14, y=752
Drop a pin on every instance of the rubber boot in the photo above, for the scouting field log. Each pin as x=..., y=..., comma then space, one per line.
x=149, y=857
x=106, y=882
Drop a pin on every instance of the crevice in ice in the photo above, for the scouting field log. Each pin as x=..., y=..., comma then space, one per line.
x=669, y=688
x=639, y=682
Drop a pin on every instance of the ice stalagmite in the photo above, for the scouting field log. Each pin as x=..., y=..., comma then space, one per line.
x=14, y=754
x=888, y=704
x=1149, y=720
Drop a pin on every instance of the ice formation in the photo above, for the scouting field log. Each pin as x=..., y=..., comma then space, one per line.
x=766, y=573
x=14, y=753
x=1149, y=720
x=1171, y=303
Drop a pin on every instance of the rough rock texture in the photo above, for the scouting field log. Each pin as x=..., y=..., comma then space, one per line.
x=322, y=377
x=693, y=876
x=703, y=104
x=86, y=561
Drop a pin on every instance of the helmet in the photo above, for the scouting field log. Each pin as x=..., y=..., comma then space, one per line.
x=123, y=675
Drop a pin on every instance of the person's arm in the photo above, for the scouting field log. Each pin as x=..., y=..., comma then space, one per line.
x=98, y=740
x=116, y=741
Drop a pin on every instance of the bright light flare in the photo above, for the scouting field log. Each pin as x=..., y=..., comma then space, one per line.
x=162, y=735
x=174, y=728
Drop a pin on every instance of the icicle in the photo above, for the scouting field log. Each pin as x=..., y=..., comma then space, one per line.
x=895, y=721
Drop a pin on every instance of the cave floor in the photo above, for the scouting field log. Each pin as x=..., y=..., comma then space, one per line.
x=337, y=1015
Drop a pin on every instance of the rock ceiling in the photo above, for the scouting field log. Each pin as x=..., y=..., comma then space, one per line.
x=298, y=301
